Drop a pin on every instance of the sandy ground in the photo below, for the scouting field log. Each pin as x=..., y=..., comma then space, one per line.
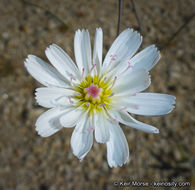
x=29, y=162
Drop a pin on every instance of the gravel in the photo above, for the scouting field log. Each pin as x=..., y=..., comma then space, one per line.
x=29, y=162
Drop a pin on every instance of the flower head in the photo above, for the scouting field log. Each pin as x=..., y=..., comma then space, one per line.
x=94, y=96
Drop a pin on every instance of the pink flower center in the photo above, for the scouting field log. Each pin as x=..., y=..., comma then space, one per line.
x=93, y=91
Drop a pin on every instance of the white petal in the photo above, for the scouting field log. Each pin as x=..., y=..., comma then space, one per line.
x=126, y=119
x=44, y=73
x=131, y=83
x=124, y=47
x=117, y=147
x=62, y=62
x=97, y=51
x=70, y=118
x=52, y=97
x=82, y=138
x=149, y=104
x=48, y=123
x=82, y=50
x=101, y=124
x=146, y=59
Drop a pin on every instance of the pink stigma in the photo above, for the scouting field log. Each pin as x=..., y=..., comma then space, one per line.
x=69, y=98
x=90, y=129
x=93, y=91
x=135, y=93
x=113, y=57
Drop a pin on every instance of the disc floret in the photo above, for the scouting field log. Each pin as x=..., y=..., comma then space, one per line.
x=94, y=93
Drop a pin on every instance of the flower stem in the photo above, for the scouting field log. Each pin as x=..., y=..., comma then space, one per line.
x=119, y=16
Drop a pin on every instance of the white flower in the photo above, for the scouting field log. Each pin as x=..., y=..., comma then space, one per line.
x=96, y=97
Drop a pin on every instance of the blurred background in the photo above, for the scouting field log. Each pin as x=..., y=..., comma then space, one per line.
x=29, y=162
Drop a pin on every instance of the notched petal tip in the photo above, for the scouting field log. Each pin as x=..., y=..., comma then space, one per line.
x=77, y=33
x=26, y=61
x=172, y=103
x=129, y=29
x=115, y=165
x=49, y=49
x=171, y=109
x=38, y=130
x=29, y=60
x=30, y=57
x=156, y=131
x=153, y=47
x=99, y=29
x=54, y=45
x=174, y=98
x=137, y=34
x=42, y=135
x=84, y=31
x=158, y=55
